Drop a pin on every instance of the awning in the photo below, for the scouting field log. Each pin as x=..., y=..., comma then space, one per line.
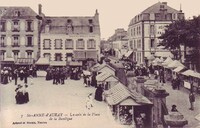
x=57, y=63
x=24, y=61
x=75, y=63
x=79, y=55
x=188, y=73
x=7, y=61
x=175, y=64
x=178, y=69
x=163, y=54
x=91, y=54
x=167, y=61
x=42, y=61
x=150, y=57
x=127, y=54
x=191, y=73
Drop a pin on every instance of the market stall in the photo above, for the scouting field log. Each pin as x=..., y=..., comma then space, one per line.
x=128, y=107
x=191, y=80
x=107, y=80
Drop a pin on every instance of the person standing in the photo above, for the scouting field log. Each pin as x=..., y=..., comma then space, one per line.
x=15, y=75
x=89, y=101
x=192, y=100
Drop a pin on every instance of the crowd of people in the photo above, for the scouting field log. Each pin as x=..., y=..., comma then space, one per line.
x=60, y=74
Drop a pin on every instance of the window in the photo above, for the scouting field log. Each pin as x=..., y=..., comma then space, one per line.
x=2, y=55
x=58, y=44
x=58, y=57
x=17, y=13
x=2, y=41
x=69, y=44
x=29, y=25
x=91, y=29
x=80, y=44
x=152, y=43
x=131, y=44
x=139, y=44
x=15, y=41
x=29, y=41
x=29, y=54
x=152, y=30
x=47, y=44
x=139, y=30
x=2, y=26
x=16, y=26
x=91, y=44
x=134, y=46
x=15, y=54
x=47, y=55
x=134, y=31
x=90, y=21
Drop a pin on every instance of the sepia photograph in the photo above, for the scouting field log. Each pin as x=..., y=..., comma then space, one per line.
x=99, y=64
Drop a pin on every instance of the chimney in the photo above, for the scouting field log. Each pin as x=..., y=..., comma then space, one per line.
x=39, y=9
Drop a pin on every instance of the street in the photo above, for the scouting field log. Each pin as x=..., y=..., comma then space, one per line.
x=68, y=100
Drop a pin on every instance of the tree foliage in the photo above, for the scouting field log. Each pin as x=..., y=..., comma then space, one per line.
x=183, y=32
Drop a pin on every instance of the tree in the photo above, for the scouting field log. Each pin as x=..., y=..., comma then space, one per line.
x=186, y=33
x=174, y=36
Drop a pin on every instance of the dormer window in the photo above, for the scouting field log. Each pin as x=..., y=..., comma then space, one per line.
x=90, y=21
x=69, y=21
x=69, y=26
x=16, y=13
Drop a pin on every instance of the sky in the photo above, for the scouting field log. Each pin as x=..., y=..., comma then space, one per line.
x=113, y=14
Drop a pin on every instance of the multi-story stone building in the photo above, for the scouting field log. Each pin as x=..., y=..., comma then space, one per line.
x=19, y=34
x=145, y=28
x=70, y=38
x=119, y=42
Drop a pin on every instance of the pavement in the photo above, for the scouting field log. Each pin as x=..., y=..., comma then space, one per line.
x=181, y=99
x=54, y=106
x=69, y=100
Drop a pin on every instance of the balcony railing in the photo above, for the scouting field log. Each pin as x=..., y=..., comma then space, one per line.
x=2, y=45
x=15, y=45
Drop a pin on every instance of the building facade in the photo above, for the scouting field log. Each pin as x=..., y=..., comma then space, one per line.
x=145, y=28
x=19, y=33
x=70, y=38
x=119, y=42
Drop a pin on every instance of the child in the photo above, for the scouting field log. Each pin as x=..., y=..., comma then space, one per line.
x=89, y=101
x=31, y=79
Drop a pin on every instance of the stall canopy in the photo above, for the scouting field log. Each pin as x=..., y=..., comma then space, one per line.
x=157, y=61
x=178, y=69
x=42, y=61
x=167, y=61
x=24, y=61
x=191, y=73
x=127, y=54
x=174, y=64
x=119, y=94
x=150, y=57
x=57, y=63
x=105, y=76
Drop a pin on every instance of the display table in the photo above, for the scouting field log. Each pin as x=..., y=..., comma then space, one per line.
x=41, y=73
x=187, y=85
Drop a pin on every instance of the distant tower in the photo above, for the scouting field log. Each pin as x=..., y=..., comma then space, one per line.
x=180, y=8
